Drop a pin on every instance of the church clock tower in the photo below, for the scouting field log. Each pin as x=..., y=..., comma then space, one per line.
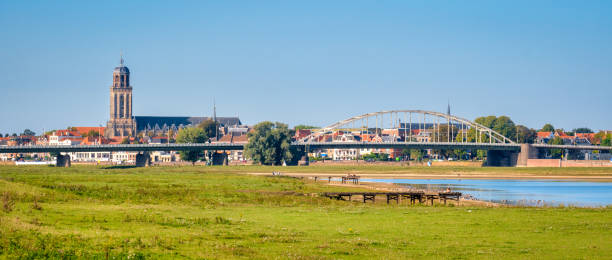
x=121, y=123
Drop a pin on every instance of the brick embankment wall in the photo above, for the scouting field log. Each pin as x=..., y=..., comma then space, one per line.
x=543, y=162
x=568, y=163
x=586, y=163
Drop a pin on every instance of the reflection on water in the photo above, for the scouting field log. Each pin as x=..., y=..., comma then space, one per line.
x=519, y=192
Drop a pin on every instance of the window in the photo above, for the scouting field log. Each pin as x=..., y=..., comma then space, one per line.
x=121, y=107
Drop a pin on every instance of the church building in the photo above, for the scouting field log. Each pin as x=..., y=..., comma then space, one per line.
x=123, y=124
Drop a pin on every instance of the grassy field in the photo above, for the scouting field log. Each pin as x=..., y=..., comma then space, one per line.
x=212, y=212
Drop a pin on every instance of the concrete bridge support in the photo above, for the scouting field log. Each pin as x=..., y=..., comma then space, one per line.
x=501, y=158
x=219, y=159
x=62, y=161
x=528, y=151
x=511, y=158
x=143, y=159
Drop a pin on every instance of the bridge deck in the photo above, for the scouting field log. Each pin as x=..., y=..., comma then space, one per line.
x=305, y=145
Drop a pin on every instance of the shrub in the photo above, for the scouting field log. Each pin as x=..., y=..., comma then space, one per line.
x=7, y=202
x=36, y=206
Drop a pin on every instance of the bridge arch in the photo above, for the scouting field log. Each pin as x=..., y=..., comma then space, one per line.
x=414, y=126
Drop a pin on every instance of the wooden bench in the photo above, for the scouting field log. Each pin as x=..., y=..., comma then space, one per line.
x=354, y=179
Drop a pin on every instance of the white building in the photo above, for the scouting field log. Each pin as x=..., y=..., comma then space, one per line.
x=163, y=156
x=343, y=154
x=67, y=137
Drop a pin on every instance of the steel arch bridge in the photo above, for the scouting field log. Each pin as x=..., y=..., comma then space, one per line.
x=414, y=126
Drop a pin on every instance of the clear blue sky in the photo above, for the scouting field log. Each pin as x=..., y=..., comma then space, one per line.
x=312, y=62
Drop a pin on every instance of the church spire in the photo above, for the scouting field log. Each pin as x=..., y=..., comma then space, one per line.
x=215, y=119
x=214, y=110
x=121, y=59
x=448, y=112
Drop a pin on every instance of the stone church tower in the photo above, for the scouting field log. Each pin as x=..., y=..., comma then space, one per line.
x=121, y=123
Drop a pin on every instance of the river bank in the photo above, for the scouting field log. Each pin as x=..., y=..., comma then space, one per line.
x=485, y=189
x=392, y=187
x=448, y=175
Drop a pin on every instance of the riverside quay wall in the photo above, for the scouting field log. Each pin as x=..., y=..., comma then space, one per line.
x=566, y=163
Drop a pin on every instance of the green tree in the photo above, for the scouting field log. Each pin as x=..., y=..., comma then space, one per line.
x=191, y=135
x=416, y=154
x=583, y=130
x=28, y=132
x=92, y=133
x=525, y=135
x=481, y=154
x=460, y=154
x=547, y=128
x=556, y=153
x=269, y=143
x=599, y=137
x=607, y=141
x=171, y=136
x=300, y=127
x=405, y=154
x=296, y=155
x=210, y=128
x=503, y=125
x=125, y=141
x=488, y=121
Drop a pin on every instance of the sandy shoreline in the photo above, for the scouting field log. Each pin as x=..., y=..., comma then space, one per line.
x=448, y=176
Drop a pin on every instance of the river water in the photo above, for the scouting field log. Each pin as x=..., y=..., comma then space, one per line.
x=519, y=192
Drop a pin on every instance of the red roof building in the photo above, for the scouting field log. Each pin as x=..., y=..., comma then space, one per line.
x=84, y=130
x=301, y=133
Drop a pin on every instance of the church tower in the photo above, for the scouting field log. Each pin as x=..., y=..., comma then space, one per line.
x=121, y=123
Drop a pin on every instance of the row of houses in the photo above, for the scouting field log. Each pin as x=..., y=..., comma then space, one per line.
x=576, y=139
x=92, y=136
x=238, y=135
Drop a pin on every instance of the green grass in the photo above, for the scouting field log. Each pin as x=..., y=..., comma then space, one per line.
x=208, y=212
